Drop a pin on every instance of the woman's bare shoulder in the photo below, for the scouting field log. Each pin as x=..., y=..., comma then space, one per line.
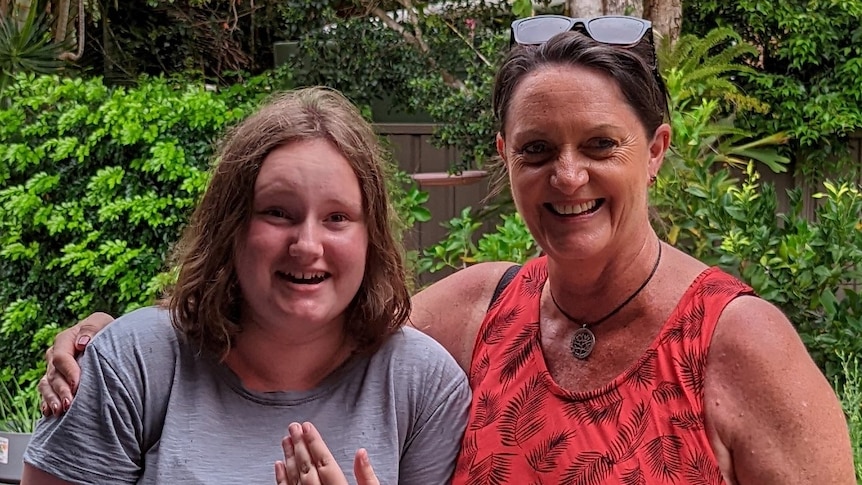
x=768, y=404
x=451, y=310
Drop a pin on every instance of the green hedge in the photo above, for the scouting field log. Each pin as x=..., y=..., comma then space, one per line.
x=95, y=183
x=95, y=186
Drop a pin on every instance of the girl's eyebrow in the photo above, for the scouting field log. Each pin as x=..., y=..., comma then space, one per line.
x=276, y=190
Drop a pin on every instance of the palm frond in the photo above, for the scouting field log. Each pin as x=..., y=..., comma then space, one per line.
x=734, y=53
x=712, y=40
x=701, y=66
x=28, y=46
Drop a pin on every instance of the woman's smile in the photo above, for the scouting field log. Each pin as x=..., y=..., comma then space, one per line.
x=571, y=210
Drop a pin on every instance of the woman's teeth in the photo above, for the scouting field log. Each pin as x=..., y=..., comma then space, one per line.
x=574, y=209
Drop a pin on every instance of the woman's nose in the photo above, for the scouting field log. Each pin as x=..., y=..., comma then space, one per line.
x=570, y=174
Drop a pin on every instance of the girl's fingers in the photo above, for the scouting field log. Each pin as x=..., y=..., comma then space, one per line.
x=321, y=458
x=308, y=461
x=362, y=469
x=302, y=461
x=291, y=469
x=280, y=474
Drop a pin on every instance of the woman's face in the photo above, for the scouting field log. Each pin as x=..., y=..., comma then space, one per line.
x=579, y=161
x=303, y=256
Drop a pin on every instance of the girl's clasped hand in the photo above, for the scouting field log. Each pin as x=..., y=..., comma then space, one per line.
x=308, y=461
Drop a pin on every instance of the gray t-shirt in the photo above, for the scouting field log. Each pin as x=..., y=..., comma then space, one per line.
x=149, y=410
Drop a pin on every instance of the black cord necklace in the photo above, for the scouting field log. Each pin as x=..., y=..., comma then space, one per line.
x=583, y=340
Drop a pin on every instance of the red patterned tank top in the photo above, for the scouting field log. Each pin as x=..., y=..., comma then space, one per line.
x=644, y=427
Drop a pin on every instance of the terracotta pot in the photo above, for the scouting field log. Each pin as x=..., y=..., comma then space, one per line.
x=444, y=179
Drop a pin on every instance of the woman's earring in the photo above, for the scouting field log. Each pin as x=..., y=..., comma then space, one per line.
x=652, y=180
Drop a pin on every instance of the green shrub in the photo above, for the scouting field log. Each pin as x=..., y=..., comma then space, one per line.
x=437, y=62
x=511, y=241
x=849, y=389
x=95, y=183
x=810, y=69
x=19, y=406
x=808, y=267
x=95, y=186
x=704, y=107
x=464, y=116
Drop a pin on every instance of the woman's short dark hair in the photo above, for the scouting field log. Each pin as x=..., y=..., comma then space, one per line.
x=634, y=68
x=205, y=303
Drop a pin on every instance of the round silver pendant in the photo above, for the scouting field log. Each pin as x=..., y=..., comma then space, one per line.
x=583, y=341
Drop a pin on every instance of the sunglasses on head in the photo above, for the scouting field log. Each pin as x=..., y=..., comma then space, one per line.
x=608, y=29
x=618, y=30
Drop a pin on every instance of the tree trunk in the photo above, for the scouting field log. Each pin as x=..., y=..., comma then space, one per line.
x=80, y=35
x=635, y=8
x=62, y=15
x=666, y=17
x=592, y=8
x=20, y=11
x=108, y=45
x=584, y=8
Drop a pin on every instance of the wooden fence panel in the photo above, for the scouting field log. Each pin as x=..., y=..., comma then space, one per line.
x=412, y=148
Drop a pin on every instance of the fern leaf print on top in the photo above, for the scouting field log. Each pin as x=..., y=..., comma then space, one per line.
x=644, y=427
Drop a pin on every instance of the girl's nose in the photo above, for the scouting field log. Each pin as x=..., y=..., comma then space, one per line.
x=308, y=244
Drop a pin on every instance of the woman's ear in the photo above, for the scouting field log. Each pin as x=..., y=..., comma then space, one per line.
x=657, y=149
x=501, y=147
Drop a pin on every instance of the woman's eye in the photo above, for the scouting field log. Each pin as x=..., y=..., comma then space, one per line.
x=603, y=143
x=338, y=218
x=535, y=148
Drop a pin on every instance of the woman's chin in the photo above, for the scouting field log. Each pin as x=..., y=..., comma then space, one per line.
x=575, y=247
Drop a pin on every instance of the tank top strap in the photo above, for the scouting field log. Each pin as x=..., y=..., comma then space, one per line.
x=514, y=312
x=687, y=335
x=703, y=304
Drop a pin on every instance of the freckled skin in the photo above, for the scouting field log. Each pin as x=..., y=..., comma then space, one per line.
x=772, y=418
x=572, y=138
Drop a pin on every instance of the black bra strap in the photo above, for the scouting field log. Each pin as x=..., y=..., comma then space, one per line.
x=507, y=278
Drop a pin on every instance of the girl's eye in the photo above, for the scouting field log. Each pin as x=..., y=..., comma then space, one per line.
x=275, y=213
x=338, y=218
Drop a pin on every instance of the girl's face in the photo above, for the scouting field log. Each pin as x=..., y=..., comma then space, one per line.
x=302, y=259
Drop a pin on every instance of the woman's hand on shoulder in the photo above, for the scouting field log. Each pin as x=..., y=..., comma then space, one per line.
x=772, y=416
x=60, y=381
x=308, y=461
x=452, y=309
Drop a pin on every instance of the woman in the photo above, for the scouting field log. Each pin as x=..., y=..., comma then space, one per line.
x=614, y=358
x=289, y=307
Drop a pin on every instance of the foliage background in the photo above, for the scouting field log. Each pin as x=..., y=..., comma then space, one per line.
x=809, y=70
x=94, y=185
x=99, y=168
